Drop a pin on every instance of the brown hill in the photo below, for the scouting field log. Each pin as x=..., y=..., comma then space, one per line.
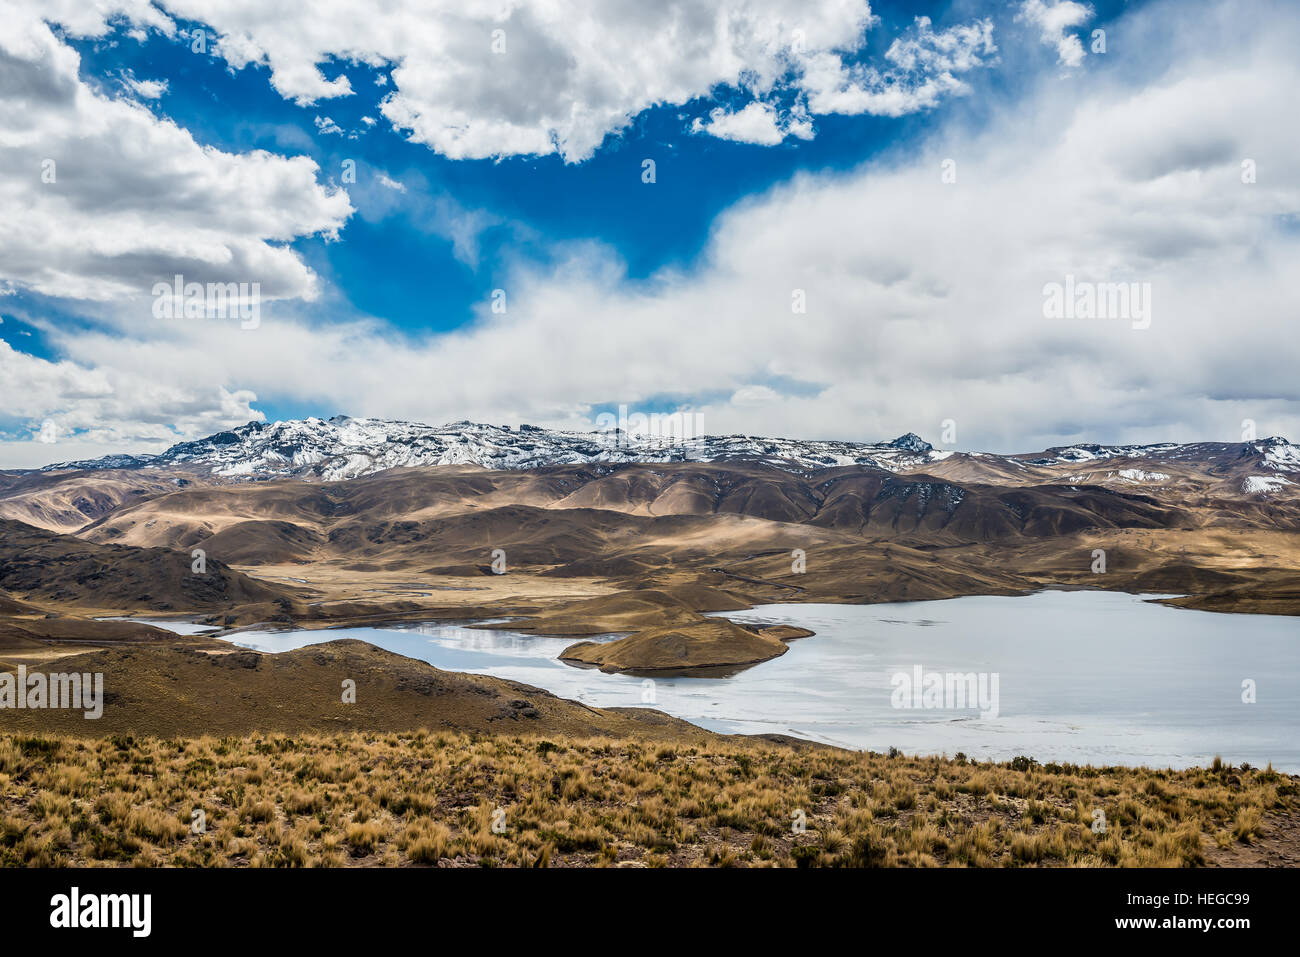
x=710, y=646
x=42, y=566
x=628, y=611
x=177, y=690
x=68, y=501
x=569, y=514
x=965, y=525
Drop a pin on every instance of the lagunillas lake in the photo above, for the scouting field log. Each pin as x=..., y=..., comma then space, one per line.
x=1081, y=676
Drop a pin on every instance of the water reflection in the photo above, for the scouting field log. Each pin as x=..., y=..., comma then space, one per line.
x=1094, y=677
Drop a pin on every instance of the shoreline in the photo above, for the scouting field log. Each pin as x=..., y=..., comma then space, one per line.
x=735, y=701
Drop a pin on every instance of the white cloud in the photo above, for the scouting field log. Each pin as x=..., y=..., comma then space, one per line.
x=100, y=199
x=755, y=123
x=752, y=395
x=924, y=298
x=326, y=126
x=1053, y=18
x=146, y=89
x=489, y=79
x=84, y=19
x=73, y=410
x=924, y=67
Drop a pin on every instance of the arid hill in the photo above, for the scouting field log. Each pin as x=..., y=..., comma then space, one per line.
x=177, y=689
x=59, y=569
x=713, y=646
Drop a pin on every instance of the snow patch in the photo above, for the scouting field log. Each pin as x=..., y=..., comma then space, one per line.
x=1263, y=484
x=1141, y=475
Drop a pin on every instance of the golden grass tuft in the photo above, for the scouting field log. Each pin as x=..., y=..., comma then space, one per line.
x=453, y=799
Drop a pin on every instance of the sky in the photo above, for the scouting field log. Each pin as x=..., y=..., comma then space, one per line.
x=805, y=218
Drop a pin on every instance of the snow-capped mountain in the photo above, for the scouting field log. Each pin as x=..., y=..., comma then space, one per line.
x=1276, y=451
x=344, y=448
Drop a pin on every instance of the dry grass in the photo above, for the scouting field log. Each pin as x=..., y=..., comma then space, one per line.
x=454, y=799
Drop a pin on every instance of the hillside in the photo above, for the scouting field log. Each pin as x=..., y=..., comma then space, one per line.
x=59, y=569
x=427, y=797
x=180, y=689
x=596, y=538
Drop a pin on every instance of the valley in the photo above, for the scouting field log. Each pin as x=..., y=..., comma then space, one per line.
x=623, y=568
x=643, y=548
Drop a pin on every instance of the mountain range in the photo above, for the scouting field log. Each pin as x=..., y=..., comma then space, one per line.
x=343, y=447
x=350, y=520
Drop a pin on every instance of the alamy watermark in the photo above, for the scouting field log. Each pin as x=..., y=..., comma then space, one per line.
x=947, y=690
x=652, y=428
x=133, y=912
x=76, y=691
x=215, y=300
x=1098, y=300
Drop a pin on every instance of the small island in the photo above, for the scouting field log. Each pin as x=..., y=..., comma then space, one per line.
x=710, y=645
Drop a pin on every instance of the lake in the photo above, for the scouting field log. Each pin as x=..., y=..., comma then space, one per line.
x=1082, y=676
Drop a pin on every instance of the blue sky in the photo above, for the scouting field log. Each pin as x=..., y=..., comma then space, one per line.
x=386, y=259
x=439, y=217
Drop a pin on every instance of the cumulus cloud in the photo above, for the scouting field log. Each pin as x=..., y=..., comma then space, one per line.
x=72, y=410
x=146, y=89
x=100, y=198
x=326, y=126
x=756, y=123
x=923, y=67
x=1053, y=18
x=488, y=79
x=924, y=297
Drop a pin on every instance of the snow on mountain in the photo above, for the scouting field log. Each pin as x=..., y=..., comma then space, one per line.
x=1280, y=454
x=344, y=448
x=107, y=462
x=1142, y=475
x=1123, y=476
x=1093, y=453
x=1275, y=453
x=1263, y=484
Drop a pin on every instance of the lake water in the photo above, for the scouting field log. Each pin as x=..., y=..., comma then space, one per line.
x=177, y=625
x=1083, y=676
